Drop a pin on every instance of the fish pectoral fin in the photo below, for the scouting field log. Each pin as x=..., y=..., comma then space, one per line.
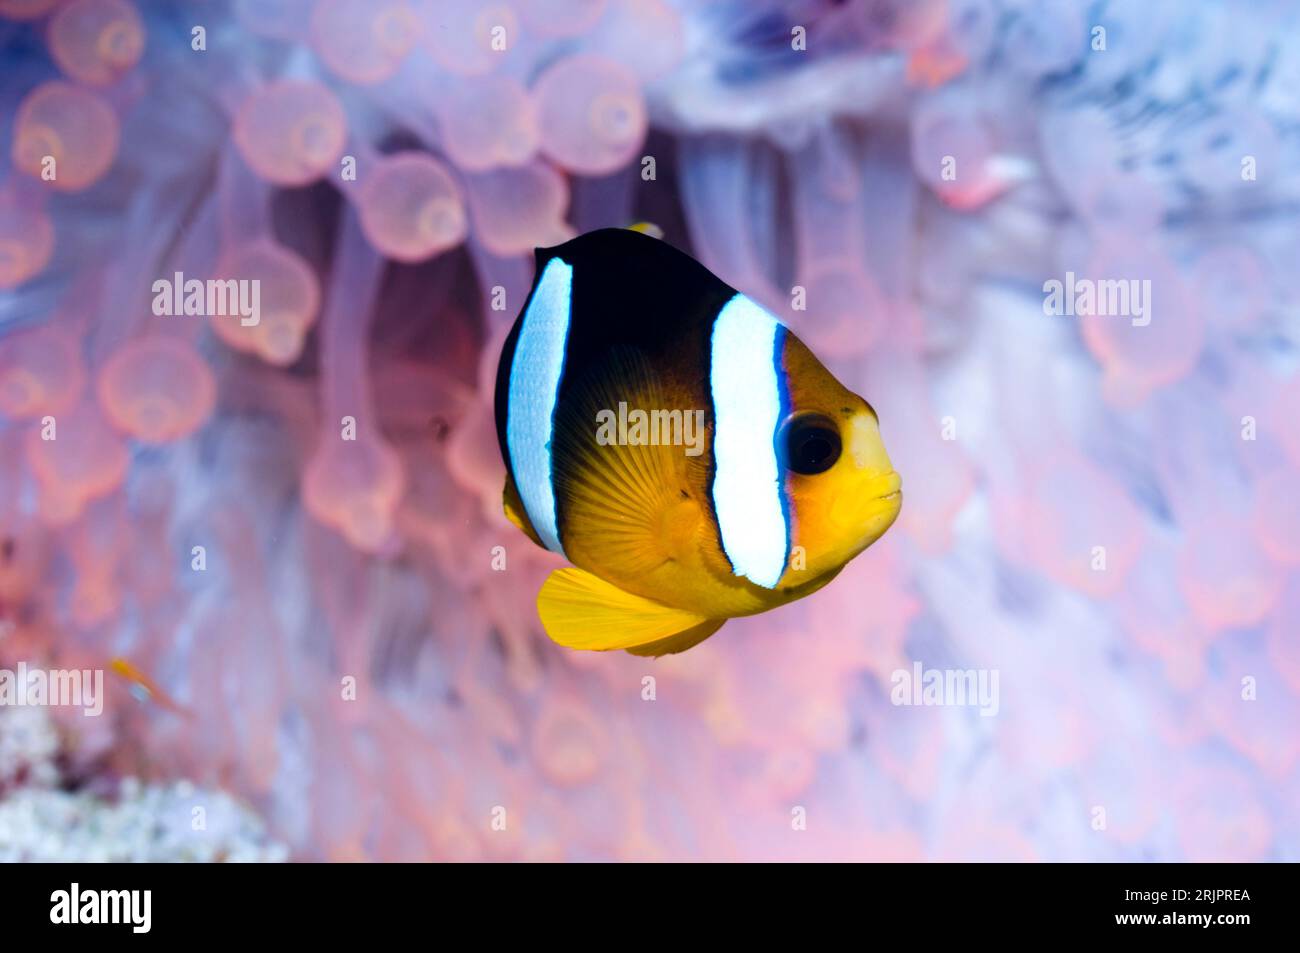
x=634, y=501
x=581, y=611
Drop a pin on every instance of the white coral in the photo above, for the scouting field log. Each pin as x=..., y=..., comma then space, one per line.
x=174, y=822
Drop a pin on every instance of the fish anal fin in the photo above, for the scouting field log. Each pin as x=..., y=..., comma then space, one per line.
x=681, y=641
x=581, y=611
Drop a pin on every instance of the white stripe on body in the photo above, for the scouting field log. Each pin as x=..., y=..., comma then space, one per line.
x=534, y=390
x=747, y=488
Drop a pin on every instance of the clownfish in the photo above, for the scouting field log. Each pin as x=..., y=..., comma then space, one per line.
x=679, y=446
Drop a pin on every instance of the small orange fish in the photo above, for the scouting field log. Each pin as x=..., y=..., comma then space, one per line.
x=935, y=64
x=145, y=689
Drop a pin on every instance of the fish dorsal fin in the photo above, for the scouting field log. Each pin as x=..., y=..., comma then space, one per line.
x=582, y=611
x=629, y=506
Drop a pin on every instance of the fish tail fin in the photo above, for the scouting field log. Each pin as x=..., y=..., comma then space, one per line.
x=581, y=611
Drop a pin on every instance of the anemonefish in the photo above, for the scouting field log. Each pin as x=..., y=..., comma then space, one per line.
x=622, y=342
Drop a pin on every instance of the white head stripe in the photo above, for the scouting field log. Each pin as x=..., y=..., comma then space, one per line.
x=747, y=491
x=534, y=390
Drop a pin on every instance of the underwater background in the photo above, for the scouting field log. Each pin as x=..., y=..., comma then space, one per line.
x=331, y=646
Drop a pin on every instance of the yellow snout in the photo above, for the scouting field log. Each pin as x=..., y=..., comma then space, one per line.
x=841, y=512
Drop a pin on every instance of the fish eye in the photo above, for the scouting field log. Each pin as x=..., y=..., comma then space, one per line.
x=810, y=444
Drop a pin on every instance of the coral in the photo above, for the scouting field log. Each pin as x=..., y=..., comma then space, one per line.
x=42, y=821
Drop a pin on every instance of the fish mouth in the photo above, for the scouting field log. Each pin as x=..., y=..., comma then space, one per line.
x=870, y=509
x=888, y=486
